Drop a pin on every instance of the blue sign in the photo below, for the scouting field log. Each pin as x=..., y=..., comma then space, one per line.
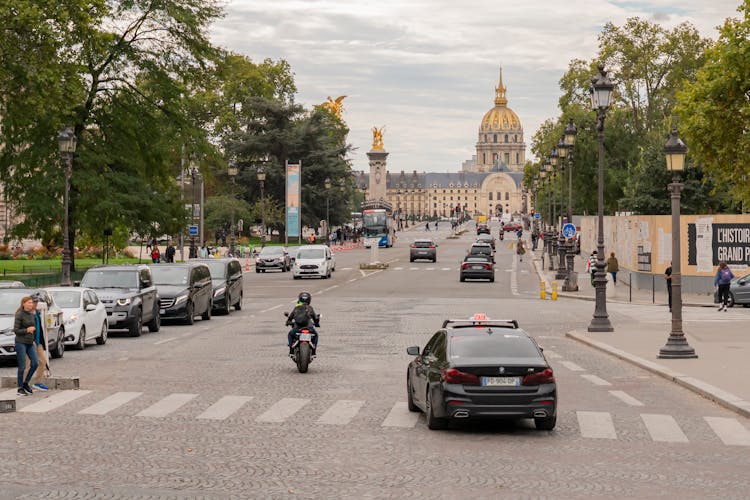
x=537, y=215
x=293, y=196
x=569, y=230
x=193, y=230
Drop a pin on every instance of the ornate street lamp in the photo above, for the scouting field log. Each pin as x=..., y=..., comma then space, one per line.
x=570, y=142
x=327, y=184
x=677, y=345
x=232, y=171
x=66, y=140
x=601, y=95
x=261, y=174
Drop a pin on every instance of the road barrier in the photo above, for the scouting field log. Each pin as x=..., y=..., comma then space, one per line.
x=554, y=291
x=542, y=290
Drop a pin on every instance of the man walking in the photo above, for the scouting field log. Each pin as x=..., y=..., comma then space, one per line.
x=668, y=279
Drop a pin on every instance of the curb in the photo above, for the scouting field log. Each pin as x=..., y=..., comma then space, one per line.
x=708, y=391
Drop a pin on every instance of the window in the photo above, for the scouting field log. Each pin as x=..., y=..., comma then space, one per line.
x=518, y=156
x=506, y=137
x=490, y=196
x=499, y=196
x=484, y=157
x=507, y=196
x=515, y=138
x=495, y=138
x=506, y=157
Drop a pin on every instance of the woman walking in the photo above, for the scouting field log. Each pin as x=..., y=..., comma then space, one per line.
x=723, y=278
x=613, y=267
x=520, y=249
x=26, y=326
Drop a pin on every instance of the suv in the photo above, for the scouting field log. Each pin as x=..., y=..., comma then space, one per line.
x=226, y=278
x=54, y=328
x=423, y=249
x=273, y=258
x=184, y=290
x=129, y=294
x=482, y=249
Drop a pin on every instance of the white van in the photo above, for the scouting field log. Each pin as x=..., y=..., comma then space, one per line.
x=314, y=260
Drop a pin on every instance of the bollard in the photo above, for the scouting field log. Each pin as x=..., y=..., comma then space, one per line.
x=542, y=291
x=554, y=291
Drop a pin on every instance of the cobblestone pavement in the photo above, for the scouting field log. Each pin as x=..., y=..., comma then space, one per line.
x=216, y=410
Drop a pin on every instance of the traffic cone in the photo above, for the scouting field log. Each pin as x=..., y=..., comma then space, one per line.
x=247, y=265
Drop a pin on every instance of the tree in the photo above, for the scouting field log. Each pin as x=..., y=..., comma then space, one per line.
x=714, y=110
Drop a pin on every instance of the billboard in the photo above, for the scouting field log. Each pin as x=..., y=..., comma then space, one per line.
x=713, y=243
x=293, y=195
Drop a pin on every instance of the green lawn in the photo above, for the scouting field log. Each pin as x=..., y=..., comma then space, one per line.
x=16, y=267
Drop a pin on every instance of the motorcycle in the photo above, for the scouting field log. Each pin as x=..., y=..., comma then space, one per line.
x=302, y=347
x=502, y=234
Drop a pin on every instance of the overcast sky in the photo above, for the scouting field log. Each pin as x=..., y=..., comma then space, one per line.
x=427, y=69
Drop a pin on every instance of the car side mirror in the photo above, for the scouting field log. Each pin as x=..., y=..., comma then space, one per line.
x=90, y=307
x=286, y=314
x=412, y=351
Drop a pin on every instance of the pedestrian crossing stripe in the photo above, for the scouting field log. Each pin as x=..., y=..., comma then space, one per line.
x=591, y=424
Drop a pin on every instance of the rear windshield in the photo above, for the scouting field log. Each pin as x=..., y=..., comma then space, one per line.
x=423, y=244
x=497, y=345
x=481, y=249
x=217, y=268
x=170, y=275
x=125, y=278
x=483, y=259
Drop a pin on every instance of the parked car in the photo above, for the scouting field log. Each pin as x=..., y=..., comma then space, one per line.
x=423, y=248
x=314, y=260
x=512, y=226
x=227, y=282
x=739, y=291
x=273, y=258
x=84, y=315
x=129, y=295
x=185, y=290
x=10, y=301
x=477, y=267
x=481, y=368
x=12, y=284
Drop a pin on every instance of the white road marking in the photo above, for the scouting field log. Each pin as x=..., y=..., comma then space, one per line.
x=551, y=354
x=346, y=269
x=626, y=398
x=430, y=269
x=330, y=288
x=446, y=269
x=352, y=280
x=663, y=428
x=110, y=403
x=271, y=308
x=224, y=407
x=729, y=430
x=594, y=379
x=514, y=277
x=413, y=269
x=397, y=268
x=400, y=416
x=54, y=401
x=341, y=413
x=572, y=366
x=123, y=359
x=596, y=424
x=165, y=341
x=166, y=405
x=282, y=410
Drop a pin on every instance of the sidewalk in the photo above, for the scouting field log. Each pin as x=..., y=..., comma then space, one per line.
x=721, y=340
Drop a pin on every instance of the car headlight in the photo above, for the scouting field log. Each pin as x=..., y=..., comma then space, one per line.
x=180, y=299
x=220, y=291
x=73, y=318
x=124, y=302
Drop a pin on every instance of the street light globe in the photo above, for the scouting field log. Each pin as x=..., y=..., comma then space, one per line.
x=562, y=148
x=261, y=174
x=601, y=90
x=675, y=151
x=570, y=134
x=327, y=183
x=232, y=169
x=66, y=140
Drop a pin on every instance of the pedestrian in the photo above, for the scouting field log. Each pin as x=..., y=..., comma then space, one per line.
x=40, y=342
x=204, y=251
x=534, y=239
x=436, y=225
x=427, y=226
x=520, y=249
x=519, y=233
x=155, y=255
x=223, y=238
x=312, y=238
x=722, y=280
x=25, y=326
x=668, y=280
x=591, y=266
x=169, y=252
x=613, y=267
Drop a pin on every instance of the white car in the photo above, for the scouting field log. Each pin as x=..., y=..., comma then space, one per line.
x=85, y=316
x=314, y=260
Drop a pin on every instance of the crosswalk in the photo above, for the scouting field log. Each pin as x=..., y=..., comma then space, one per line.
x=586, y=424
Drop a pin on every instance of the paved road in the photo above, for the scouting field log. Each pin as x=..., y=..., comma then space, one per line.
x=216, y=410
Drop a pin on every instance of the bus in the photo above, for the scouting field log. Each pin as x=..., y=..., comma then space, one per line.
x=376, y=223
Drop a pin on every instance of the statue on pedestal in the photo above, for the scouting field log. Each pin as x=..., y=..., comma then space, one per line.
x=377, y=138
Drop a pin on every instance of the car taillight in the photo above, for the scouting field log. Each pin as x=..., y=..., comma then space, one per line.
x=414, y=246
x=539, y=378
x=464, y=266
x=453, y=376
x=431, y=246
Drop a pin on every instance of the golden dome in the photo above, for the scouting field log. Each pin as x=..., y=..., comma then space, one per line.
x=501, y=117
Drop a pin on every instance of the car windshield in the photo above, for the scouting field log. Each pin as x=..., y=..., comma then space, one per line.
x=271, y=252
x=67, y=299
x=10, y=301
x=169, y=275
x=310, y=253
x=110, y=278
x=496, y=345
x=423, y=244
x=218, y=269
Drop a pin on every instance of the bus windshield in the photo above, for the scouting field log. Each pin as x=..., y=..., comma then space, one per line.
x=374, y=223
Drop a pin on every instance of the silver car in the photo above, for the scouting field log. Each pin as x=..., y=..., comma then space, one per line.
x=10, y=301
x=423, y=249
x=739, y=291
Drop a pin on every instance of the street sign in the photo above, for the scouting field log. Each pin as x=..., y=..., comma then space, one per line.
x=569, y=230
x=193, y=230
x=537, y=215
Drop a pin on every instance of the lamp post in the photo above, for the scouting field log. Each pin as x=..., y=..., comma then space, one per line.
x=677, y=345
x=66, y=140
x=571, y=285
x=232, y=171
x=261, y=174
x=562, y=247
x=601, y=93
x=327, y=184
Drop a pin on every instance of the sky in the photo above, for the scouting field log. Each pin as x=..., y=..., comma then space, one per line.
x=427, y=69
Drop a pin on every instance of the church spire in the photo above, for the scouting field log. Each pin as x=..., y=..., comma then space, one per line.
x=500, y=99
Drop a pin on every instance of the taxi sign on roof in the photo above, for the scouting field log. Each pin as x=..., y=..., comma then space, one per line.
x=479, y=317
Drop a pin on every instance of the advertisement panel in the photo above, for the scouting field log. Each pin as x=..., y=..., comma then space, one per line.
x=718, y=242
x=293, y=195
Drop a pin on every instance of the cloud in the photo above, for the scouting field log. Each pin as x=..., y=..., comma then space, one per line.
x=427, y=68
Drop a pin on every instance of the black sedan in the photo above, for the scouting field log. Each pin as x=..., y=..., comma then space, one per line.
x=481, y=368
x=477, y=267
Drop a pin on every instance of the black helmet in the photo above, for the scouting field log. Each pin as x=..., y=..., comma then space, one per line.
x=305, y=298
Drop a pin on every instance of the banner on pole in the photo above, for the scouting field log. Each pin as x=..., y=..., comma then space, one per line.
x=293, y=195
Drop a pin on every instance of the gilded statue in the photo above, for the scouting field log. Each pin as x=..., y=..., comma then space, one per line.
x=377, y=138
x=335, y=106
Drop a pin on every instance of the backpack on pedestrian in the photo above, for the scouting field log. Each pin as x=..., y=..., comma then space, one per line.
x=726, y=275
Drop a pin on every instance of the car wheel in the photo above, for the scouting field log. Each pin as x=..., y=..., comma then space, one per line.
x=60, y=349
x=189, y=313
x=295, y=277
x=81, y=344
x=461, y=279
x=546, y=423
x=257, y=270
x=492, y=280
x=433, y=422
x=730, y=300
x=411, y=260
x=155, y=324
x=409, y=396
x=238, y=305
x=207, y=314
x=102, y=338
x=136, y=329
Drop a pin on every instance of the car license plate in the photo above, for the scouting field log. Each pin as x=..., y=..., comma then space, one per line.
x=423, y=252
x=162, y=311
x=305, y=337
x=477, y=267
x=501, y=381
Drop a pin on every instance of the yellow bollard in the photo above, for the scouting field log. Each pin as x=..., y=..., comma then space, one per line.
x=542, y=291
x=554, y=290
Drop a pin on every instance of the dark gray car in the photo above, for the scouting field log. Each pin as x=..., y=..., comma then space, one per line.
x=273, y=258
x=226, y=277
x=739, y=291
x=423, y=249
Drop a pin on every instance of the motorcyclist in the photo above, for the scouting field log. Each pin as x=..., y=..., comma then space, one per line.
x=303, y=309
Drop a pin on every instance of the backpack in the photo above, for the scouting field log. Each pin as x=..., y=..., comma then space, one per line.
x=726, y=275
x=301, y=315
